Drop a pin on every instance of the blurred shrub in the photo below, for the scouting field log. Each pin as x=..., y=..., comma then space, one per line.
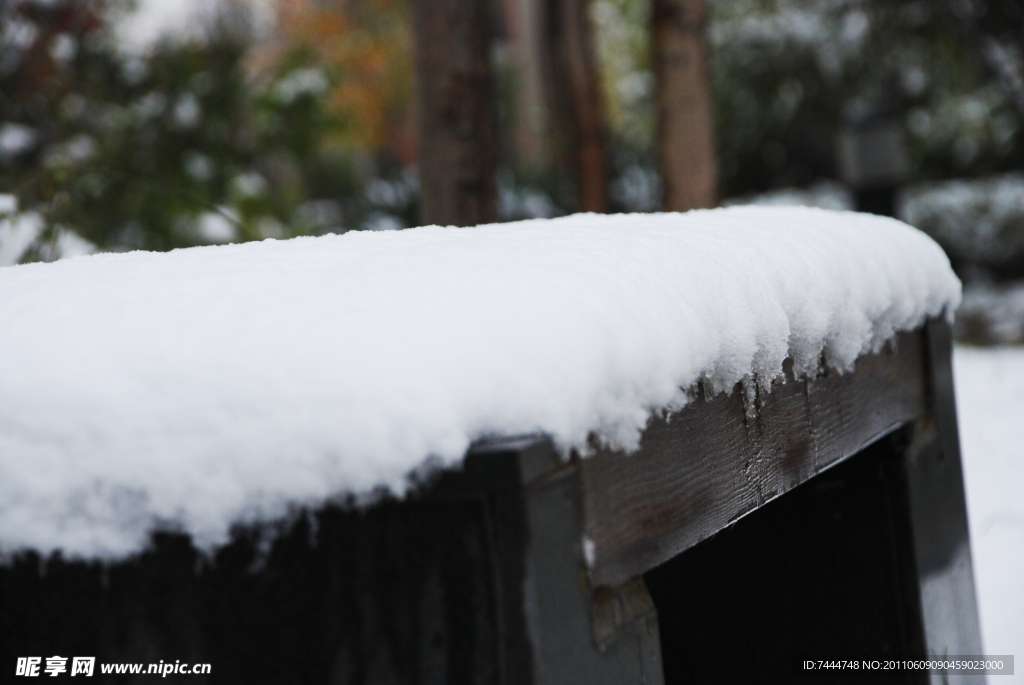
x=363, y=52
x=183, y=145
x=226, y=138
x=980, y=223
x=991, y=314
x=788, y=74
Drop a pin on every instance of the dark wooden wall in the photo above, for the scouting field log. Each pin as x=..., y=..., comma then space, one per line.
x=410, y=593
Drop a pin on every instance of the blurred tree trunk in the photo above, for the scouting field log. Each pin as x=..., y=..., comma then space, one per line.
x=689, y=169
x=457, y=147
x=525, y=23
x=576, y=79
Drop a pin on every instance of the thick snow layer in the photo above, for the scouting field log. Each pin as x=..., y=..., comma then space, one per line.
x=204, y=386
x=990, y=407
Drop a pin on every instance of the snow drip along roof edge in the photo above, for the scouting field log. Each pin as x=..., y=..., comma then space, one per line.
x=221, y=384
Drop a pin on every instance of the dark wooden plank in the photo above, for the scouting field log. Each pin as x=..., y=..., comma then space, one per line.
x=827, y=571
x=707, y=465
x=577, y=634
x=425, y=590
x=939, y=512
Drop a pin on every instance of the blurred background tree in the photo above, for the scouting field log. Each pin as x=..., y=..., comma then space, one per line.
x=357, y=57
x=213, y=139
x=229, y=133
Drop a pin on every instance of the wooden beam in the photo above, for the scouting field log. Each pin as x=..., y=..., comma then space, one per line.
x=707, y=465
x=827, y=569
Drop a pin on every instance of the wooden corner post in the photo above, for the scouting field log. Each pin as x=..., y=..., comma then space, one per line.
x=939, y=511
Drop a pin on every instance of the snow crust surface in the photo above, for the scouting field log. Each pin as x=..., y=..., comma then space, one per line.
x=214, y=385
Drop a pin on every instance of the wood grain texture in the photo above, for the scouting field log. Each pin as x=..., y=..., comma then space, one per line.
x=828, y=568
x=707, y=465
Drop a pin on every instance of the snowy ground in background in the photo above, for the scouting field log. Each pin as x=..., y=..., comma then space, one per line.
x=990, y=403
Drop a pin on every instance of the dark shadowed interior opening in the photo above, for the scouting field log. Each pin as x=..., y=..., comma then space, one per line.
x=827, y=570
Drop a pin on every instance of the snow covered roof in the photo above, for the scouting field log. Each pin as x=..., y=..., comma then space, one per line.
x=220, y=384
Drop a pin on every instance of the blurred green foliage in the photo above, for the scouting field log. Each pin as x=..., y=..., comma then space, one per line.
x=176, y=147
x=220, y=138
x=788, y=75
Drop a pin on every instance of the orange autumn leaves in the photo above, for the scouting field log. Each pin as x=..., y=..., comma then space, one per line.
x=364, y=48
